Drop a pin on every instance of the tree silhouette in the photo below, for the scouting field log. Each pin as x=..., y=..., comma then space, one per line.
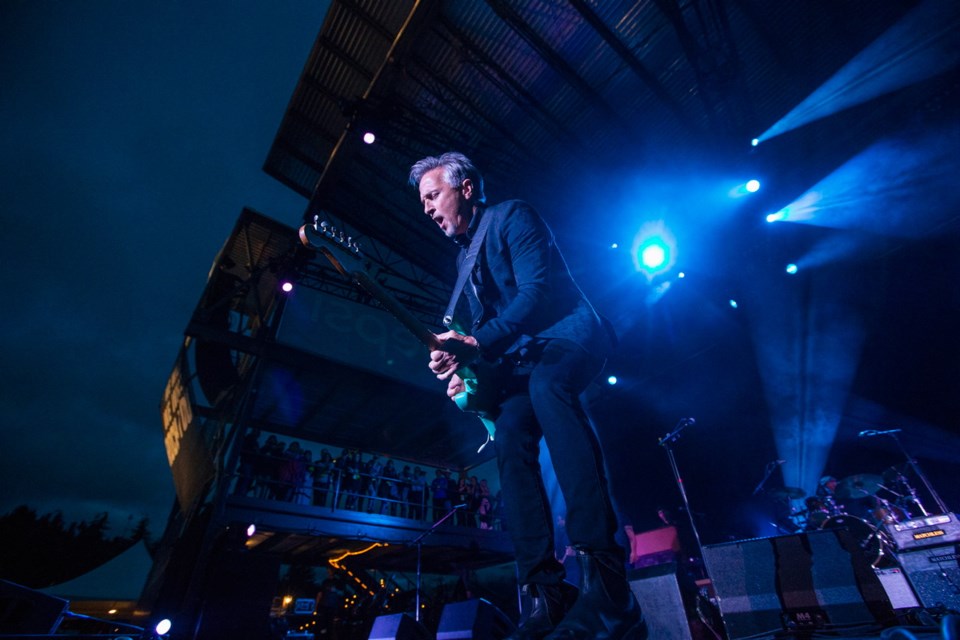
x=41, y=551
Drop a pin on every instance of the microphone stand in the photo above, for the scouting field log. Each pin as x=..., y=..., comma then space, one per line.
x=665, y=442
x=419, y=542
x=768, y=471
x=916, y=469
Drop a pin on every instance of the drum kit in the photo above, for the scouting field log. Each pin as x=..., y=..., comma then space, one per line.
x=860, y=503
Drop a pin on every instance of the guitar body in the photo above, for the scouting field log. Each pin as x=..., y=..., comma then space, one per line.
x=480, y=398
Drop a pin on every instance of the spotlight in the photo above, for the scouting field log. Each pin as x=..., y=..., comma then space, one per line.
x=754, y=142
x=369, y=137
x=614, y=245
x=776, y=217
x=251, y=530
x=733, y=303
x=286, y=286
x=654, y=249
x=653, y=255
x=612, y=380
x=163, y=627
x=791, y=268
x=744, y=188
x=681, y=275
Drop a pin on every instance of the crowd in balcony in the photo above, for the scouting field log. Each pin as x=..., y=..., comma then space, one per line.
x=364, y=482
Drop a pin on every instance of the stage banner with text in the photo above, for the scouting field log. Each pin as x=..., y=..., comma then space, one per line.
x=355, y=334
x=190, y=459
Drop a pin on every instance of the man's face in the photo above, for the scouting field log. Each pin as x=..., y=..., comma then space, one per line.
x=448, y=206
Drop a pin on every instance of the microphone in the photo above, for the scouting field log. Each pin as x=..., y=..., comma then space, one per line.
x=873, y=432
x=673, y=435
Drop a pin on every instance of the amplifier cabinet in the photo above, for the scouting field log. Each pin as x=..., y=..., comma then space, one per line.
x=934, y=574
x=923, y=532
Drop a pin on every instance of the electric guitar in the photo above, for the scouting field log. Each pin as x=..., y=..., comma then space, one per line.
x=344, y=254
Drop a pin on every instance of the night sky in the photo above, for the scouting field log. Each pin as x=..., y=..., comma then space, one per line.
x=133, y=133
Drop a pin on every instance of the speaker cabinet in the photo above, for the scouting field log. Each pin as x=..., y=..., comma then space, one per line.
x=25, y=611
x=476, y=618
x=398, y=626
x=657, y=589
x=801, y=581
x=934, y=574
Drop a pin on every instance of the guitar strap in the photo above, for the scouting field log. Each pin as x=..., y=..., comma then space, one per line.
x=466, y=267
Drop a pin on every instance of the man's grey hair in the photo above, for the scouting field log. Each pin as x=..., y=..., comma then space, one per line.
x=456, y=168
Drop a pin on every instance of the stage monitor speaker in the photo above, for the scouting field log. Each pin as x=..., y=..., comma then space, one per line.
x=398, y=626
x=658, y=591
x=801, y=581
x=934, y=574
x=476, y=618
x=744, y=576
x=28, y=612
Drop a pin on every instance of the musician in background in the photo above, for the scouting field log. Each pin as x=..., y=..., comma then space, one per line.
x=530, y=319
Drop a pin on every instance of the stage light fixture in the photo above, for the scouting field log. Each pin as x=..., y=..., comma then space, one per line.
x=754, y=142
x=753, y=186
x=776, y=217
x=791, y=268
x=653, y=255
x=681, y=275
x=163, y=627
x=286, y=286
x=654, y=249
x=251, y=530
x=733, y=303
x=612, y=380
x=369, y=137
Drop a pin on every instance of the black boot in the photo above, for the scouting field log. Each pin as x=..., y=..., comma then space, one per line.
x=606, y=608
x=549, y=603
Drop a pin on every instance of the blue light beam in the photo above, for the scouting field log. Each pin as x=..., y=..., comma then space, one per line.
x=922, y=45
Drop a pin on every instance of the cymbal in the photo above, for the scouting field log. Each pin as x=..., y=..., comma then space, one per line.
x=792, y=493
x=859, y=486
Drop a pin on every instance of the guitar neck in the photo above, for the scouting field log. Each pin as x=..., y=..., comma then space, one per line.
x=397, y=310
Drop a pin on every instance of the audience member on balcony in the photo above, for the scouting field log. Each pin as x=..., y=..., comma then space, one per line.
x=418, y=495
x=348, y=468
x=389, y=489
x=485, y=513
x=465, y=514
x=406, y=480
x=440, y=490
x=322, y=478
x=304, y=489
x=370, y=483
x=292, y=470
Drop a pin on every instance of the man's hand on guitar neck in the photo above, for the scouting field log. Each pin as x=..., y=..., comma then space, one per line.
x=456, y=350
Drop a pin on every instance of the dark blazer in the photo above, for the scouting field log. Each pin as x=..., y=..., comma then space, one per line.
x=521, y=287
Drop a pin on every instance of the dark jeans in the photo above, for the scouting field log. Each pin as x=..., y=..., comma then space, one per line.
x=543, y=399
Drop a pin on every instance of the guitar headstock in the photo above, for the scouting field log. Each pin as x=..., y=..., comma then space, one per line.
x=327, y=239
